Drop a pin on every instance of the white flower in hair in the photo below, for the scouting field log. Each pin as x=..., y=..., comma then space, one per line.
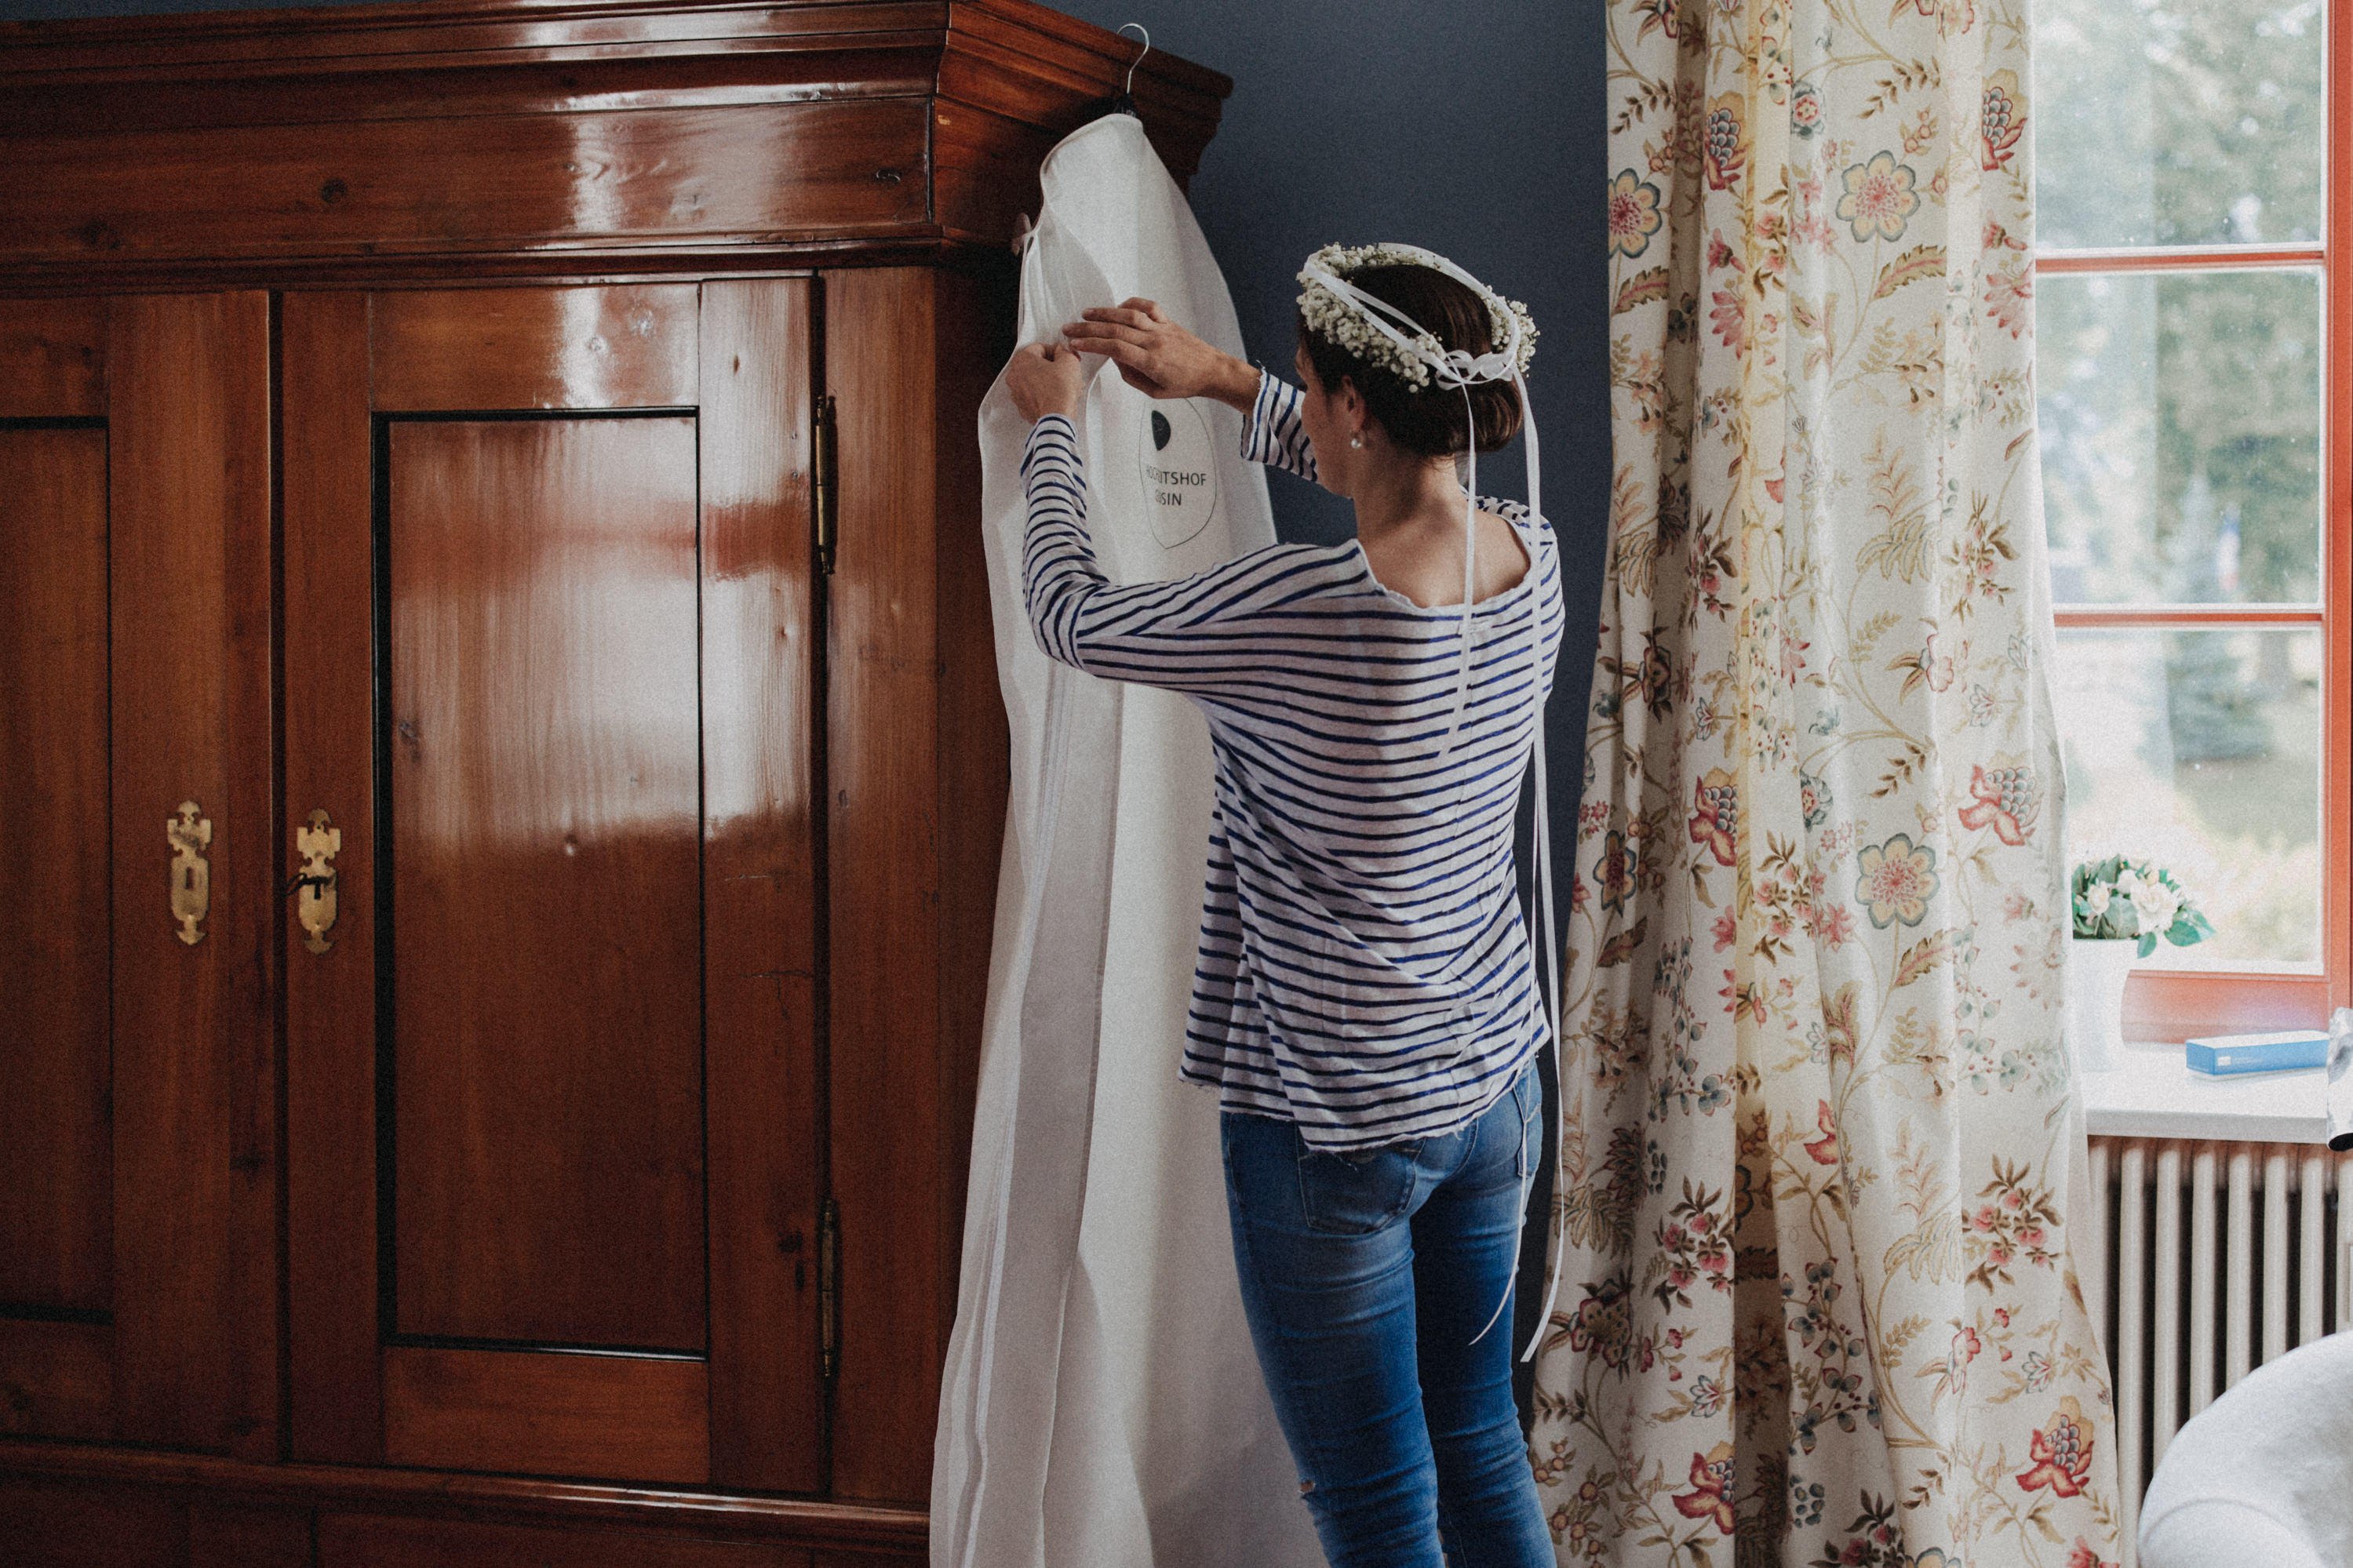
x=1400, y=344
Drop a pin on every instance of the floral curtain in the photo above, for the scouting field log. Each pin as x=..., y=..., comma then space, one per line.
x=1817, y=1306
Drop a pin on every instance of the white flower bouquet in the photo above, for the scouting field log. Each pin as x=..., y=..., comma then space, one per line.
x=2117, y=899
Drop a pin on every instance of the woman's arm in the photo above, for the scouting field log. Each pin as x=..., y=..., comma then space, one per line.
x=1273, y=432
x=1203, y=634
x=1161, y=358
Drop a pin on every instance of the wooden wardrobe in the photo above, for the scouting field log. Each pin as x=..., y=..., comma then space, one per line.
x=502, y=770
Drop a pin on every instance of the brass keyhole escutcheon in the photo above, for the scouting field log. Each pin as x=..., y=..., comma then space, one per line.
x=314, y=884
x=190, y=833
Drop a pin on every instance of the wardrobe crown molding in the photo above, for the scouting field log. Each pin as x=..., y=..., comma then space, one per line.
x=542, y=138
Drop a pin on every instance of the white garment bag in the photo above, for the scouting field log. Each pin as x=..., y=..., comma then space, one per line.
x=1103, y=1405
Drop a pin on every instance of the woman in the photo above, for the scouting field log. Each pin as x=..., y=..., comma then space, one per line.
x=1365, y=998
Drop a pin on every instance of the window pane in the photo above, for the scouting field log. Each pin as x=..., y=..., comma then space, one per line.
x=2179, y=121
x=2181, y=416
x=2201, y=751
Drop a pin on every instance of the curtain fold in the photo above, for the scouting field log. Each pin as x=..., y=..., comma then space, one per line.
x=1818, y=1306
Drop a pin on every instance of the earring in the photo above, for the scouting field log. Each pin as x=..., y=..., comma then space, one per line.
x=1355, y=440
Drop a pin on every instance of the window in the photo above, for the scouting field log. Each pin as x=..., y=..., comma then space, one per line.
x=2194, y=280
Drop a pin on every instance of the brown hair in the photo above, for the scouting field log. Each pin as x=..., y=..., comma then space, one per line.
x=1426, y=420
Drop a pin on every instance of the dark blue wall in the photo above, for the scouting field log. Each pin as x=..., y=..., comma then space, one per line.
x=1475, y=128
x=1472, y=127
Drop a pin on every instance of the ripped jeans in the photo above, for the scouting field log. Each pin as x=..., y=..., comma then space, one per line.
x=1373, y=1284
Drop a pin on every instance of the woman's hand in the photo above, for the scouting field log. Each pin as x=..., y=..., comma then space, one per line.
x=1046, y=378
x=1161, y=358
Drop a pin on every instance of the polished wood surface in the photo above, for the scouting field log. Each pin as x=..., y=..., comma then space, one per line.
x=58, y=1379
x=356, y=1541
x=52, y=359
x=328, y=555
x=916, y=778
x=57, y=1198
x=195, y=1128
x=763, y=1122
x=454, y=186
x=546, y=1010
x=600, y=679
x=885, y=877
x=63, y=1525
x=548, y=1414
x=417, y=140
x=131, y=1475
x=237, y=1537
x=531, y=1099
x=624, y=347
x=972, y=334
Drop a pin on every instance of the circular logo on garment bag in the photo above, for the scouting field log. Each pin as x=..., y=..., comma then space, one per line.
x=1181, y=475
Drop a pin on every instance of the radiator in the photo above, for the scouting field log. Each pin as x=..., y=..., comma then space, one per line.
x=2202, y=1261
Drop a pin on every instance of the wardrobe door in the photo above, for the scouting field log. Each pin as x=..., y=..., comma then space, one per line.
x=138, y=1254
x=553, y=1195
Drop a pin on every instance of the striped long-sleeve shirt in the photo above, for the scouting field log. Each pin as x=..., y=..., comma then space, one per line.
x=1363, y=971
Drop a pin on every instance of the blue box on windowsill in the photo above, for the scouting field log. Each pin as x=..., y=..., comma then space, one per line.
x=2221, y=1055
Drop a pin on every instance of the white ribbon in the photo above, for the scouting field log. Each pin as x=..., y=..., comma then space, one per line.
x=1459, y=368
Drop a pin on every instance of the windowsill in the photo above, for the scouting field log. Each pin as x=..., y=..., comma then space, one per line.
x=2154, y=1095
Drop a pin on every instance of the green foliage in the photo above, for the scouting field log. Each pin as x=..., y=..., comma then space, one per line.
x=2112, y=897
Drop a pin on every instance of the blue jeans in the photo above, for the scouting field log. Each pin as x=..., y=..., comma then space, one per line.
x=1373, y=1283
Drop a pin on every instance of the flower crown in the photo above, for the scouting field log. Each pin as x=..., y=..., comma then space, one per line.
x=1350, y=318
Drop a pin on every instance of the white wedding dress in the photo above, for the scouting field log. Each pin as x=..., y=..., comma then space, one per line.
x=1102, y=1408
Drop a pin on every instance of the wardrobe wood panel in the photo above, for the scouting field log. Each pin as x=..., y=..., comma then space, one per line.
x=196, y=1248
x=52, y=359
x=359, y=1542
x=636, y=1417
x=577, y=660
x=1027, y=63
x=355, y=40
x=460, y=186
x=515, y=178
x=917, y=813
x=627, y=346
x=542, y=691
x=774, y=56
x=130, y=1474
x=48, y=1526
x=57, y=1380
x=52, y=1525
x=974, y=329
x=1006, y=55
x=56, y=1194
x=760, y=885
x=880, y=332
x=831, y=100
x=227, y=1535
x=337, y=1409
x=984, y=169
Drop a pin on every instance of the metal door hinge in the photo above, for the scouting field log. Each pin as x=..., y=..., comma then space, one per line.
x=823, y=480
x=828, y=1289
